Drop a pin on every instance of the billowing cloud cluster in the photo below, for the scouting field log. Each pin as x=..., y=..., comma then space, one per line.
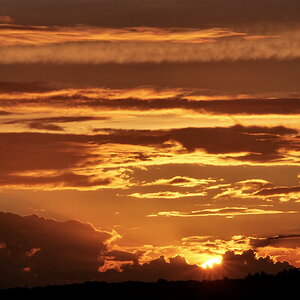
x=34, y=248
x=42, y=251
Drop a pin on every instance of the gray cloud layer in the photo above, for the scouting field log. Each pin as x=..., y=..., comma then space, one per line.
x=166, y=13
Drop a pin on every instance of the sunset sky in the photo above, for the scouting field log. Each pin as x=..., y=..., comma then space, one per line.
x=146, y=139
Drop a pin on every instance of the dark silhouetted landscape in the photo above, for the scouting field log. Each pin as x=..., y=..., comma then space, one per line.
x=257, y=286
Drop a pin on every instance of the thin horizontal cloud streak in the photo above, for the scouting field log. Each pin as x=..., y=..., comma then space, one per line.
x=32, y=95
x=280, y=106
x=228, y=212
x=180, y=181
x=167, y=195
x=49, y=124
x=255, y=189
x=65, y=180
x=154, y=52
x=278, y=191
x=13, y=35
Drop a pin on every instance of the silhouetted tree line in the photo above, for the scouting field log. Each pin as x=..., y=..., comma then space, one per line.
x=284, y=285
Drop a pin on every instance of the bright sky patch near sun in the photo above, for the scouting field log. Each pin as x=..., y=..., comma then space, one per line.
x=212, y=262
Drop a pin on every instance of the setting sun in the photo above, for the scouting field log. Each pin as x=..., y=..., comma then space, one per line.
x=211, y=262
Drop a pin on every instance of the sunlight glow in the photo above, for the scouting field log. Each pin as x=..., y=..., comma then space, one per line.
x=211, y=262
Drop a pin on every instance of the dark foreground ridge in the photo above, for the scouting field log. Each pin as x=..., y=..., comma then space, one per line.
x=258, y=286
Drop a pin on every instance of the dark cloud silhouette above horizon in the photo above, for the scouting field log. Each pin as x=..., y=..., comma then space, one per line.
x=48, y=250
x=42, y=251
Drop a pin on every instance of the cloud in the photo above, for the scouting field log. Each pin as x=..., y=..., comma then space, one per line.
x=181, y=181
x=255, y=188
x=177, y=268
x=242, y=189
x=48, y=123
x=41, y=126
x=123, y=256
x=48, y=162
x=166, y=195
x=41, y=35
x=240, y=106
x=43, y=251
x=31, y=96
x=239, y=265
x=4, y=113
x=194, y=13
x=6, y=20
x=90, y=155
x=263, y=143
x=50, y=251
x=291, y=240
x=199, y=249
x=155, y=52
x=278, y=191
x=227, y=212
x=25, y=87
x=56, y=181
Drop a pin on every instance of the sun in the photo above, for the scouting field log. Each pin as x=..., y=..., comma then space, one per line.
x=209, y=264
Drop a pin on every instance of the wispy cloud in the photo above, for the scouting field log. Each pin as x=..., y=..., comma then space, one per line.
x=228, y=212
x=144, y=46
x=12, y=35
x=167, y=195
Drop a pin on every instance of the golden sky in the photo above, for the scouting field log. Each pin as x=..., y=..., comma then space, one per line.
x=141, y=137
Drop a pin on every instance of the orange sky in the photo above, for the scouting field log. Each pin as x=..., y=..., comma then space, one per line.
x=164, y=129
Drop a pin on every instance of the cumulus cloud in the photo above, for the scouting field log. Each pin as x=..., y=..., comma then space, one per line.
x=176, y=268
x=43, y=251
x=48, y=250
x=239, y=265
